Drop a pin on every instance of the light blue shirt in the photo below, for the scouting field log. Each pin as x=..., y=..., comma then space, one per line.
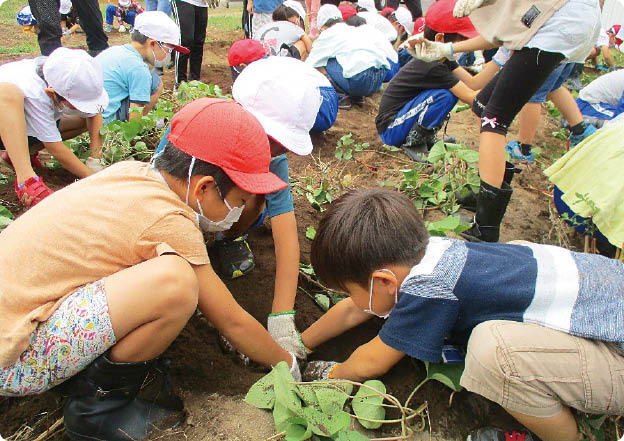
x=125, y=75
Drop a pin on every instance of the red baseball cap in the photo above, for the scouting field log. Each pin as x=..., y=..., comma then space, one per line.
x=387, y=10
x=246, y=51
x=617, y=31
x=347, y=11
x=440, y=18
x=419, y=26
x=222, y=133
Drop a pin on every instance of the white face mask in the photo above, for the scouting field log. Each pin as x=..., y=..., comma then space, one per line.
x=165, y=61
x=370, y=297
x=208, y=225
x=75, y=112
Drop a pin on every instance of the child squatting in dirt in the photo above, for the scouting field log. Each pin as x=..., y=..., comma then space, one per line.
x=90, y=301
x=543, y=326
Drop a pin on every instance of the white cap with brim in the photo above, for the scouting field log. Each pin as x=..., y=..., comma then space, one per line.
x=369, y=5
x=77, y=77
x=293, y=4
x=122, y=3
x=404, y=17
x=327, y=12
x=158, y=26
x=281, y=93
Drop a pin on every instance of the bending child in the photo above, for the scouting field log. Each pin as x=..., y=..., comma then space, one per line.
x=540, y=324
x=285, y=36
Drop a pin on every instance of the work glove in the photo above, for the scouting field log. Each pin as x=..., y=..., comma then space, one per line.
x=282, y=328
x=427, y=50
x=319, y=370
x=294, y=369
x=465, y=7
x=501, y=56
x=122, y=29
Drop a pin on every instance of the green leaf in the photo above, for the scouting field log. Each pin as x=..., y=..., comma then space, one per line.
x=327, y=425
x=391, y=148
x=367, y=404
x=348, y=154
x=4, y=222
x=350, y=435
x=297, y=429
x=281, y=416
x=470, y=156
x=331, y=400
x=4, y=212
x=446, y=373
x=285, y=389
x=323, y=301
x=437, y=152
x=338, y=153
x=262, y=393
x=310, y=233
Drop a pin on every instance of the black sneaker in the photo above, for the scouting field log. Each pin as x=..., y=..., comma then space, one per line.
x=344, y=102
x=490, y=434
x=358, y=100
x=231, y=258
x=415, y=146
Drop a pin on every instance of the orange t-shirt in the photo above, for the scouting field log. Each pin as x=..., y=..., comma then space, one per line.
x=93, y=228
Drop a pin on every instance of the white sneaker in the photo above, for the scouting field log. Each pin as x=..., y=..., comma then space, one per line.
x=94, y=164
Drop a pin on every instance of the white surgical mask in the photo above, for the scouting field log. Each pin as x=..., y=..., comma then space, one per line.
x=208, y=225
x=370, y=297
x=75, y=112
x=165, y=61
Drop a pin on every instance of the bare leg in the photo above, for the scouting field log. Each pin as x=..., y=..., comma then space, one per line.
x=492, y=158
x=149, y=304
x=561, y=427
x=13, y=131
x=608, y=56
x=529, y=120
x=563, y=99
x=300, y=45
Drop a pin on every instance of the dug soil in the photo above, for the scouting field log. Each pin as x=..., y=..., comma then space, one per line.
x=212, y=384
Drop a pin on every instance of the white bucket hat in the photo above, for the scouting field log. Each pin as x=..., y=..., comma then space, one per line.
x=327, y=12
x=404, y=17
x=123, y=3
x=293, y=4
x=279, y=92
x=157, y=25
x=77, y=77
x=369, y=5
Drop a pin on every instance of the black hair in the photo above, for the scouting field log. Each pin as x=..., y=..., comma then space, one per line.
x=284, y=13
x=330, y=2
x=332, y=21
x=355, y=20
x=138, y=37
x=363, y=231
x=390, y=16
x=177, y=163
x=449, y=37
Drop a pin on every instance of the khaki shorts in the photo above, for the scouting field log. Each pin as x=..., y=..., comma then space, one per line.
x=536, y=371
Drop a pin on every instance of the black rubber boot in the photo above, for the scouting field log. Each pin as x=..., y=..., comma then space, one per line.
x=491, y=206
x=103, y=404
x=469, y=202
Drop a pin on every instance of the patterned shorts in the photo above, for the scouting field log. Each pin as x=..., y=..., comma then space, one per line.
x=76, y=334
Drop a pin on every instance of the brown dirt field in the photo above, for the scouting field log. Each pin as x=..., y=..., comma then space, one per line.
x=211, y=384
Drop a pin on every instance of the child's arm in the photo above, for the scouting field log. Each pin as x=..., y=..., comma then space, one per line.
x=478, y=81
x=463, y=92
x=370, y=360
x=237, y=325
x=307, y=41
x=286, y=241
x=94, y=124
x=341, y=317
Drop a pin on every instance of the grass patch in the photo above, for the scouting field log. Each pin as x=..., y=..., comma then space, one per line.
x=9, y=10
x=226, y=22
x=20, y=48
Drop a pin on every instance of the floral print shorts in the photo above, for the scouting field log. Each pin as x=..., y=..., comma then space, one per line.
x=76, y=334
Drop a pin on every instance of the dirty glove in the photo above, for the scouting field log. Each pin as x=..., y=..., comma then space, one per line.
x=501, y=56
x=282, y=328
x=294, y=369
x=432, y=50
x=465, y=7
x=319, y=370
x=122, y=29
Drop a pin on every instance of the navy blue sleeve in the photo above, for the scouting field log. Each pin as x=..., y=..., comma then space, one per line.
x=420, y=321
x=620, y=106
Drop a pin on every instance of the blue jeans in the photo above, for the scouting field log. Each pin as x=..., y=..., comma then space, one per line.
x=553, y=82
x=328, y=111
x=158, y=5
x=365, y=83
x=128, y=17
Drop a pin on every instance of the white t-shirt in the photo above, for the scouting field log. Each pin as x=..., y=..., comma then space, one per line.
x=39, y=109
x=381, y=23
x=607, y=88
x=276, y=33
x=603, y=39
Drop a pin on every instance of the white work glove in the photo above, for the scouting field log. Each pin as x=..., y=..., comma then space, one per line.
x=431, y=50
x=122, y=29
x=282, y=328
x=465, y=7
x=501, y=56
x=318, y=370
x=294, y=369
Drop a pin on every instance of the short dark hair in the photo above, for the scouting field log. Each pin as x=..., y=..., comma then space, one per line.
x=177, y=163
x=365, y=230
x=332, y=21
x=283, y=13
x=355, y=20
x=138, y=37
x=449, y=37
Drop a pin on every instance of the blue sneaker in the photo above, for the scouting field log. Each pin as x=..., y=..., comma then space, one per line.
x=576, y=139
x=515, y=154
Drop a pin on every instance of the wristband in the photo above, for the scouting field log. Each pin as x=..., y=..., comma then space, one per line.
x=331, y=372
x=275, y=314
x=452, y=53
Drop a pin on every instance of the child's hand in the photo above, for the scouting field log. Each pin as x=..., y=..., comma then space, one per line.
x=465, y=7
x=431, y=50
x=282, y=329
x=319, y=370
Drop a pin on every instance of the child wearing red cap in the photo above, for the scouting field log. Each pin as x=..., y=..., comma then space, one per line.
x=541, y=36
x=96, y=313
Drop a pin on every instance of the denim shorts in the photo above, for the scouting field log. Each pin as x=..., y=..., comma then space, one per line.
x=78, y=332
x=553, y=82
x=364, y=83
